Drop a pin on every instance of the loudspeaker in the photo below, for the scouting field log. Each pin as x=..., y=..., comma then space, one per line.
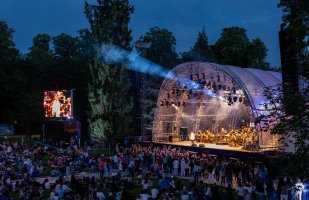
x=183, y=131
x=201, y=145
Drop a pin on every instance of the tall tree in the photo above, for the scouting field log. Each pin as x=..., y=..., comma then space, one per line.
x=231, y=47
x=201, y=49
x=296, y=23
x=65, y=47
x=109, y=22
x=108, y=96
x=291, y=125
x=256, y=55
x=9, y=57
x=161, y=48
x=42, y=61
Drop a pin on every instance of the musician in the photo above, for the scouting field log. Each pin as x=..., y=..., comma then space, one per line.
x=56, y=107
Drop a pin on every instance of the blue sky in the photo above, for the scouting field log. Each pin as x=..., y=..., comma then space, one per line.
x=185, y=18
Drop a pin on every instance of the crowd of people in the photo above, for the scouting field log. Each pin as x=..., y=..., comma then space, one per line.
x=137, y=172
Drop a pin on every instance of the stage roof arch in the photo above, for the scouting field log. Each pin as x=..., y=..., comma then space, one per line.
x=179, y=106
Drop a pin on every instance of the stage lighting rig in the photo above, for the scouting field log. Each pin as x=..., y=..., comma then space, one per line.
x=234, y=98
x=167, y=103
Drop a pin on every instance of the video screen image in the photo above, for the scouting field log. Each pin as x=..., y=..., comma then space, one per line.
x=58, y=103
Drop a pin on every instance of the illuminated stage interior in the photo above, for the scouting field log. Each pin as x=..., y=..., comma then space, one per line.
x=207, y=145
x=214, y=101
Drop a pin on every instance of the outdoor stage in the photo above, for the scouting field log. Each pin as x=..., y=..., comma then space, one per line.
x=218, y=150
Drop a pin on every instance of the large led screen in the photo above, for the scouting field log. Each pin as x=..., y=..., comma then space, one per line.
x=58, y=103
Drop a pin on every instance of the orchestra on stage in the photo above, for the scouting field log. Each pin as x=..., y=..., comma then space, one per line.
x=245, y=137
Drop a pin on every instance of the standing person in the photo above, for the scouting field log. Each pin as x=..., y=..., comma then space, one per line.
x=182, y=167
x=217, y=171
x=271, y=195
x=67, y=167
x=176, y=166
x=240, y=192
x=196, y=170
x=222, y=174
x=187, y=168
x=260, y=189
x=101, y=167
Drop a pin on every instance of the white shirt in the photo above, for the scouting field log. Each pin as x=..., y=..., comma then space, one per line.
x=183, y=163
x=47, y=185
x=176, y=164
x=154, y=193
x=144, y=196
x=240, y=191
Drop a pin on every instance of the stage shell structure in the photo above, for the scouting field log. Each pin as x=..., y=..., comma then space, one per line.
x=213, y=98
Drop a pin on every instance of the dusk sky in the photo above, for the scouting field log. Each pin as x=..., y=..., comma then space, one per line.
x=185, y=18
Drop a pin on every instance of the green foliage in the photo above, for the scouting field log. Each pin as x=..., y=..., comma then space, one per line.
x=110, y=101
x=296, y=23
x=161, y=48
x=109, y=21
x=256, y=55
x=231, y=47
x=65, y=46
x=287, y=116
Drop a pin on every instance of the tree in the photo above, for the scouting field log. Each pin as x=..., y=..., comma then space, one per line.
x=109, y=22
x=256, y=55
x=108, y=97
x=231, y=47
x=161, y=48
x=42, y=62
x=9, y=58
x=296, y=23
x=291, y=125
x=65, y=47
x=201, y=49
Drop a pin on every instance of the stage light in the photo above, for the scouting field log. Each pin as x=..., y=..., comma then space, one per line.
x=240, y=99
x=177, y=92
x=184, y=104
x=173, y=91
x=162, y=103
x=230, y=100
x=204, y=76
x=234, y=98
x=167, y=103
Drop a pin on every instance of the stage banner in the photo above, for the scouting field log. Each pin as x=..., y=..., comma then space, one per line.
x=6, y=130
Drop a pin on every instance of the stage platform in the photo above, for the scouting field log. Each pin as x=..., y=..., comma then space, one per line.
x=219, y=150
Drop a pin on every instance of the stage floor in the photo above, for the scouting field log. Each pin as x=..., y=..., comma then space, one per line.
x=207, y=146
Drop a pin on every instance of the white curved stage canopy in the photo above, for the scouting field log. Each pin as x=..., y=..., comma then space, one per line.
x=201, y=96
